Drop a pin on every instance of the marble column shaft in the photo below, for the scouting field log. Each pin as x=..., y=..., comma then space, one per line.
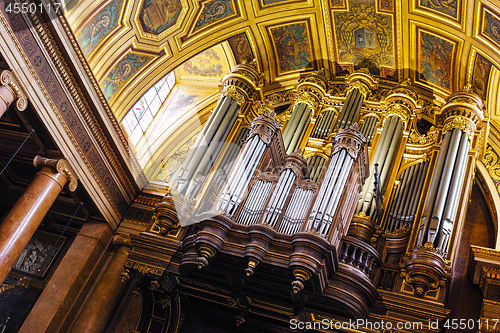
x=6, y=99
x=24, y=218
x=104, y=299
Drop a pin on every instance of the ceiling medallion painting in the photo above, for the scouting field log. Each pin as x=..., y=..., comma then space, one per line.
x=481, y=75
x=121, y=73
x=364, y=36
x=159, y=17
x=292, y=44
x=213, y=11
x=241, y=48
x=435, y=58
x=99, y=27
x=208, y=64
x=490, y=26
x=447, y=7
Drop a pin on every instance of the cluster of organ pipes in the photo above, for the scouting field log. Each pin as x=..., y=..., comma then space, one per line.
x=406, y=197
x=350, y=111
x=442, y=200
x=194, y=170
x=291, y=201
x=368, y=128
x=325, y=123
x=385, y=153
x=240, y=176
x=296, y=126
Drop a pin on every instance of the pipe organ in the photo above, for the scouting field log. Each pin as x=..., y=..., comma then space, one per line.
x=297, y=195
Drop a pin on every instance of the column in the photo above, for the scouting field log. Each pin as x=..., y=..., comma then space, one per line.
x=106, y=296
x=240, y=87
x=62, y=297
x=401, y=103
x=358, y=87
x=9, y=92
x=24, y=218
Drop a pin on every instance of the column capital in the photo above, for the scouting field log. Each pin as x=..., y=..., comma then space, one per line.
x=311, y=89
x=62, y=166
x=122, y=239
x=8, y=80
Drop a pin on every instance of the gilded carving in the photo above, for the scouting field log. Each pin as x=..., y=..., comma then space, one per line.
x=429, y=138
x=232, y=91
x=460, y=122
x=399, y=111
x=307, y=98
x=175, y=161
x=8, y=80
x=363, y=89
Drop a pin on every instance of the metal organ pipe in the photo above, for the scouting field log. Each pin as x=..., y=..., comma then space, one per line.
x=298, y=131
x=278, y=198
x=350, y=110
x=298, y=109
x=407, y=196
x=230, y=157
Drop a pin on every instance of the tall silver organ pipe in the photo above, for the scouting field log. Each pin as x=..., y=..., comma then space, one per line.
x=440, y=207
x=263, y=130
x=324, y=124
x=350, y=111
x=385, y=152
x=368, y=128
x=195, y=168
x=408, y=192
x=297, y=126
x=295, y=213
x=334, y=182
x=315, y=165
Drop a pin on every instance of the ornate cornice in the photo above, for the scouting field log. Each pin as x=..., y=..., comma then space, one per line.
x=460, y=122
x=83, y=107
x=248, y=81
x=296, y=162
x=9, y=80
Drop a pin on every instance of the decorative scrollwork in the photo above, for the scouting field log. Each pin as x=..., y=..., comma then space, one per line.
x=8, y=80
x=399, y=111
x=460, y=122
x=232, y=91
x=307, y=98
x=429, y=138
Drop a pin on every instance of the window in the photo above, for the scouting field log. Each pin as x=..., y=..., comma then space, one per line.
x=137, y=120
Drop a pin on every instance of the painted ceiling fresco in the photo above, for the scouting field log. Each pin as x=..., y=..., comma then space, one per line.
x=440, y=45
